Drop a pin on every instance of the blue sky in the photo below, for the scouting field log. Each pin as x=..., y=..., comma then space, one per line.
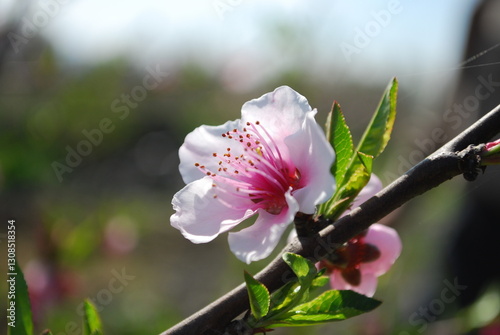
x=424, y=37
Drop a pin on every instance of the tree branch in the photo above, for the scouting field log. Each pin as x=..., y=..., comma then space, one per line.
x=444, y=164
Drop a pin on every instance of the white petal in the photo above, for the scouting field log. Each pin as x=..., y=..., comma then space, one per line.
x=199, y=147
x=313, y=156
x=259, y=240
x=281, y=112
x=200, y=217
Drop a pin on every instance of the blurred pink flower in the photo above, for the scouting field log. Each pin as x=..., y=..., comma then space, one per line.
x=274, y=162
x=491, y=145
x=365, y=257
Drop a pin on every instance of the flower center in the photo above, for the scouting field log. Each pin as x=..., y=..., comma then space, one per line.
x=258, y=171
x=348, y=259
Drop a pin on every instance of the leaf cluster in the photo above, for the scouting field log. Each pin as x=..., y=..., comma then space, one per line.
x=292, y=305
x=353, y=165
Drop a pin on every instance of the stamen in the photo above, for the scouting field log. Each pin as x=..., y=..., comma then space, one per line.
x=272, y=169
x=267, y=176
x=255, y=171
x=272, y=142
x=268, y=150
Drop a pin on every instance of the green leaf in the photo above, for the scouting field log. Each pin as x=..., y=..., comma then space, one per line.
x=282, y=298
x=302, y=267
x=330, y=306
x=366, y=160
x=259, y=297
x=91, y=322
x=21, y=322
x=320, y=281
x=378, y=132
x=296, y=291
x=353, y=167
x=357, y=176
x=339, y=136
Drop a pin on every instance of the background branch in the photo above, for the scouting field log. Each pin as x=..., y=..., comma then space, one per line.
x=442, y=165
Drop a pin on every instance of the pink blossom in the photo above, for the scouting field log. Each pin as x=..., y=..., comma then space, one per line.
x=274, y=162
x=357, y=264
x=492, y=145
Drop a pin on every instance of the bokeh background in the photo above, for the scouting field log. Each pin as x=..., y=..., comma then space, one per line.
x=97, y=96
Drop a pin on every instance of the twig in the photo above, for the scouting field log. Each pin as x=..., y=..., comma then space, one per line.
x=442, y=165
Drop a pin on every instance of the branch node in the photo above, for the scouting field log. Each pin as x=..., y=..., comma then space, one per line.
x=470, y=161
x=238, y=327
x=304, y=225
